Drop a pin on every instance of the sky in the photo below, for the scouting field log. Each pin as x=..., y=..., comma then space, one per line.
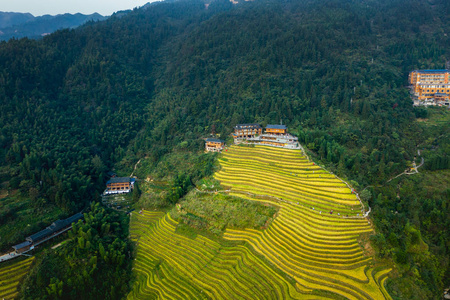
x=54, y=7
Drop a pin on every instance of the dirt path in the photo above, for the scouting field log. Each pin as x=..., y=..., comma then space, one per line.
x=60, y=244
x=410, y=173
x=135, y=166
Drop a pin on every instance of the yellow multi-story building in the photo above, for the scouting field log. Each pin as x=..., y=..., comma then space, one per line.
x=274, y=135
x=430, y=84
x=276, y=129
x=246, y=130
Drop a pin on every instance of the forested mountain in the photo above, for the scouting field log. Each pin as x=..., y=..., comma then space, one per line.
x=17, y=25
x=78, y=102
x=8, y=19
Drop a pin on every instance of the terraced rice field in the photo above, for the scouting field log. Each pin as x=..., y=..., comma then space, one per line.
x=171, y=266
x=10, y=277
x=311, y=239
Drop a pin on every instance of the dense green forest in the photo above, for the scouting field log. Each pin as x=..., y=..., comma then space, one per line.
x=149, y=85
x=91, y=265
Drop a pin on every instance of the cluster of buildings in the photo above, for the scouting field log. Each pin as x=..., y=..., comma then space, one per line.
x=273, y=135
x=430, y=87
x=55, y=229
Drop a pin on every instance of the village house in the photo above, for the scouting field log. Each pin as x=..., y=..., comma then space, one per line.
x=119, y=185
x=274, y=135
x=214, y=145
x=242, y=131
x=276, y=129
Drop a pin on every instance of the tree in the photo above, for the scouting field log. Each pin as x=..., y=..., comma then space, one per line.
x=365, y=196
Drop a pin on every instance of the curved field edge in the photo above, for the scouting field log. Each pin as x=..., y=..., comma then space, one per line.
x=290, y=240
x=169, y=265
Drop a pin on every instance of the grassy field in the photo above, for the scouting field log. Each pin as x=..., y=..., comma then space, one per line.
x=11, y=274
x=19, y=218
x=312, y=239
x=310, y=249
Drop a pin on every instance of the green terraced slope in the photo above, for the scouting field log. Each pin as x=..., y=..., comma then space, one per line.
x=10, y=277
x=319, y=249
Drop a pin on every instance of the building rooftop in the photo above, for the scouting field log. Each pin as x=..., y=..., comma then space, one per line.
x=245, y=126
x=276, y=126
x=54, y=227
x=60, y=224
x=432, y=71
x=74, y=218
x=214, y=140
x=40, y=235
x=119, y=180
x=22, y=245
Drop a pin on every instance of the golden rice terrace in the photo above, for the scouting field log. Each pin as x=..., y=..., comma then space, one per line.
x=311, y=250
x=315, y=237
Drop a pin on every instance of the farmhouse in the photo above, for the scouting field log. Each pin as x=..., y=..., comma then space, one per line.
x=430, y=87
x=119, y=185
x=246, y=131
x=276, y=129
x=214, y=145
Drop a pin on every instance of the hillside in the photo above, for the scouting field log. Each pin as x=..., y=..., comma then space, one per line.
x=15, y=25
x=8, y=19
x=318, y=235
x=148, y=85
x=317, y=241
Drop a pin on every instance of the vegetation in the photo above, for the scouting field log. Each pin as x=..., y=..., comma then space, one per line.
x=150, y=84
x=171, y=177
x=215, y=212
x=94, y=263
x=16, y=212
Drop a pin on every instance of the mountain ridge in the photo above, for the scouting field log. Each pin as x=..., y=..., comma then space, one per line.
x=19, y=25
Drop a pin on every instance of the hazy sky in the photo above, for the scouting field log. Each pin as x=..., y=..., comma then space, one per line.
x=54, y=7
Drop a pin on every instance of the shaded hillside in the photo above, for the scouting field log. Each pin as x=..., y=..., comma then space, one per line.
x=25, y=25
x=8, y=19
x=73, y=101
